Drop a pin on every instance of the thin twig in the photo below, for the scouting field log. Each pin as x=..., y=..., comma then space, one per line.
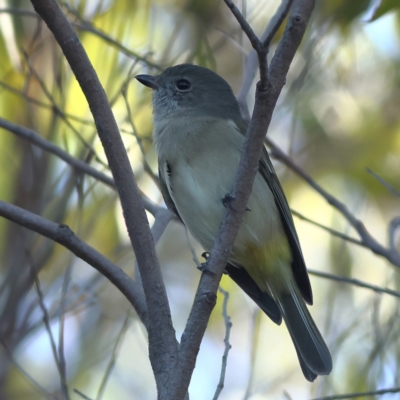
x=367, y=240
x=276, y=22
x=113, y=358
x=46, y=320
x=46, y=106
x=353, y=281
x=57, y=110
x=393, y=227
x=63, y=235
x=359, y=394
x=61, y=352
x=31, y=380
x=256, y=43
x=251, y=63
x=89, y=27
x=228, y=327
x=42, y=104
x=333, y=232
x=139, y=141
x=246, y=28
x=79, y=393
x=384, y=183
x=79, y=165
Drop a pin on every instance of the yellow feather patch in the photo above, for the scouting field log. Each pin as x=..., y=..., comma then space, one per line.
x=268, y=264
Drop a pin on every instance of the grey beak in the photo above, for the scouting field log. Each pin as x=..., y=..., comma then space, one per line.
x=148, y=80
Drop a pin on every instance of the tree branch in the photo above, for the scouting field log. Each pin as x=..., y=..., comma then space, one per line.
x=79, y=165
x=162, y=342
x=391, y=253
x=266, y=97
x=251, y=64
x=372, y=393
x=353, y=281
x=228, y=346
x=64, y=235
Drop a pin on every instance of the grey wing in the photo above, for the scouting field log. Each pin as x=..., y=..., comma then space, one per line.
x=238, y=274
x=166, y=195
x=298, y=265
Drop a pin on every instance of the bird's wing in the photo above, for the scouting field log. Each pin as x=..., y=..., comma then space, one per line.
x=299, y=269
x=166, y=195
x=239, y=275
x=242, y=278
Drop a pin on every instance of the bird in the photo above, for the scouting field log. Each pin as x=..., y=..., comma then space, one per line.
x=199, y=134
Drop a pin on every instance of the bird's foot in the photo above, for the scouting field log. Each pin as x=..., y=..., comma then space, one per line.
x=228, y=200
x=203, y=266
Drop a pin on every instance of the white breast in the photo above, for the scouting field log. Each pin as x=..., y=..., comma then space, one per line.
x=203, y=155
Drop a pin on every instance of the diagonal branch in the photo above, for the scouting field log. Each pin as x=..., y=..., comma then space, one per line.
x=266, y=98
x=251, y=63
x=367, y=240
x=79, y=165
x=64, y=235
x=162, y=342
x=353, y=281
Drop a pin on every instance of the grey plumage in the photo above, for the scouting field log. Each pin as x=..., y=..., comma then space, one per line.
x=199, y=134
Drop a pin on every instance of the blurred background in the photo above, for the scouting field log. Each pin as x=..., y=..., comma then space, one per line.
x=339, y=119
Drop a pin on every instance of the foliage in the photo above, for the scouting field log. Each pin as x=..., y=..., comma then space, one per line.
x=337, y=116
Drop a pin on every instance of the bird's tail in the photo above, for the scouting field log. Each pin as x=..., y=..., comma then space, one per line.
x=314, y=356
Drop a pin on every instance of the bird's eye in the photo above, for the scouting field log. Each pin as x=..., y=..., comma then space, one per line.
x=183, y=85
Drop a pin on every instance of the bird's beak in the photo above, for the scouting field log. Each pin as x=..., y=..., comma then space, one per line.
x=148, y=80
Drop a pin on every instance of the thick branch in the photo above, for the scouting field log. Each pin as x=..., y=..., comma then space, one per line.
x=162, y=343
x=266, y=97
x=64, y=235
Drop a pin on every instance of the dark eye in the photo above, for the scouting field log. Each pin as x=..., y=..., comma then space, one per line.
x=183, y=84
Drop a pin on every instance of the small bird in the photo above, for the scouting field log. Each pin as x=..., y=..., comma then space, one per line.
x=199, y=134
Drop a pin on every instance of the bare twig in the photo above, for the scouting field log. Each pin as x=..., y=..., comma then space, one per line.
x=333, y=232
x=39, y=141
x=79, y=393
x=139, y=141
x=61, y=352
x=46, y=320
x=266, y=97
x=79, y=165
x=246, y=28
x=393, y=227
x=57, y=110
x=162, y=342
x=63, y=235
x=384, y=183
x=89, y=27
x=256, y=43
x=19, y=11
x=391, y=254
x=276, y=22
x=251, y=63
x=353, y=281
x=113, y=358
x=228, y=327
x=31, y=380
x=359, y=394
x=47, y=106
x=42, y=104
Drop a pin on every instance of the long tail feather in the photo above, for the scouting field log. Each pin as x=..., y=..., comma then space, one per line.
x=314, y=356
